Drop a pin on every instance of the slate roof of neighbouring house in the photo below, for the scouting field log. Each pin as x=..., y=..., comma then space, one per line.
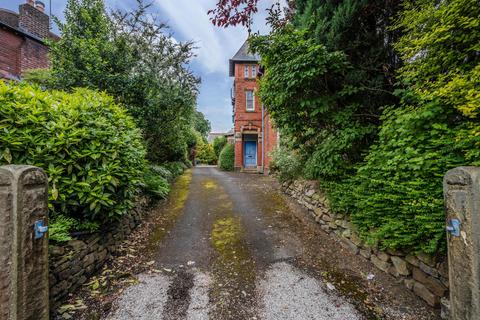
x=242, y=55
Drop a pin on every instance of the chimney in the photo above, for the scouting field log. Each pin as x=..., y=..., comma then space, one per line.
x=32, y=19
x=40, y=6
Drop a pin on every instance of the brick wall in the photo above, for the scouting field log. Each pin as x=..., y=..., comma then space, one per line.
x=34, y=55
x=19, y=50
x=10, y=62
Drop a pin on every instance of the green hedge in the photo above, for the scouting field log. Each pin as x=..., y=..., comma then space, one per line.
x=88, y=145
x=226, y=160
x=157, y=178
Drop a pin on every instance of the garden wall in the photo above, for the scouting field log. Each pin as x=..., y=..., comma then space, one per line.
x=422, y=274
x=73, y=262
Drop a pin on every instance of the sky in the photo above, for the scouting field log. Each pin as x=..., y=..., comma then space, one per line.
x=188, y=21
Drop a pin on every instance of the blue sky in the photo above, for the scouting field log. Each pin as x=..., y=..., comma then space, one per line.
x=188, y=20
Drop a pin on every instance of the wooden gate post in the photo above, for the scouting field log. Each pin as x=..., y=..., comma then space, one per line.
x=461, y=188
x=23, y=243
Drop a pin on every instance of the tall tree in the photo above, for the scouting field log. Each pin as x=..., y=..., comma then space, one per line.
x=132, y=56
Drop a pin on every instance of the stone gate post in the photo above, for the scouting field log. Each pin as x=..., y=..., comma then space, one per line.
x=461, y=188
x=23, y=243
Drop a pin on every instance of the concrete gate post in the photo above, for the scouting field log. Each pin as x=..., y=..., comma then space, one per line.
x=23, y=243
x=461, y=188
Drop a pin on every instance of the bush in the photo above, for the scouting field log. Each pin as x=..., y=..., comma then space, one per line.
x=162, y=172
x=397, y=193
x=88, y=145
x=175, y=168
x=156, y=182
x=59, y=228
x=218, y=144
x=286, y=163
x=206, y=154
x=226, y=160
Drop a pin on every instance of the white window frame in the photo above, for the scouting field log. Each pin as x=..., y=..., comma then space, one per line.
x=246, y=72
x=253, y=101
x=254, y=71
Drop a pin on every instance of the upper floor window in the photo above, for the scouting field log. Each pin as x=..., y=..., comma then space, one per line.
x=245, y=71
x=250, y=100
x=254, y=71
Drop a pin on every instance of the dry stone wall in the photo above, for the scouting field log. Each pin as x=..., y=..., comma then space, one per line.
x=72, y=263
x=421, y=274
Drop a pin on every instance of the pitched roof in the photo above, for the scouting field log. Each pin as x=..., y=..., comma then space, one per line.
x=243, y=55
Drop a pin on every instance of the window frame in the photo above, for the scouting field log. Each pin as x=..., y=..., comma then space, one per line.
x=254, y=71
x=246, y=71
x=253, y=101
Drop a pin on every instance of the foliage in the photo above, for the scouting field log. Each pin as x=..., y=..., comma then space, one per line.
x=88, y=145
x=328, y=83
x=313, y=101
x=218, y=144
x=201, y=124
x=226, y=160
x=59, y=228
x=175, y=168
x=233, y=12
x=40, y=77
x=398, y=194
x=161, y=171
x=204, y=151
x=286, y=163
x=155, y=184
x=133, y=58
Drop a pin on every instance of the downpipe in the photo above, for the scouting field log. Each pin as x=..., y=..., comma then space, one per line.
x=263, y=139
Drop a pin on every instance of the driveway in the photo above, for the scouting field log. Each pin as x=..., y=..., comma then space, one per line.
x=232, y=247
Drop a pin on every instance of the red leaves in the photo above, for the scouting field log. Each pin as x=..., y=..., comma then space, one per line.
x=233, y=12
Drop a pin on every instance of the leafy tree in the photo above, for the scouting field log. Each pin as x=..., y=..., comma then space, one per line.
x=132, y=57
x=201, y=124
x=86, y=55
x=218, y=144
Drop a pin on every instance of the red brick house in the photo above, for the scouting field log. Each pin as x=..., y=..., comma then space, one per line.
x=254, y=136
x=22, y=39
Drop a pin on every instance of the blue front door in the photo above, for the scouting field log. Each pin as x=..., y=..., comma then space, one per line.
x=250, y=154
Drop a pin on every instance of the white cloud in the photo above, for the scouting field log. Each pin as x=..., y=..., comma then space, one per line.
x=215, y=45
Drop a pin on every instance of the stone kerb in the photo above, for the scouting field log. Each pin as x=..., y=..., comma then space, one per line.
x=462, y=195
x=23, y=259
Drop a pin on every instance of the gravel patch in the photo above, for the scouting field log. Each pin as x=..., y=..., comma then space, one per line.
x=199, y=307
x=290, y=294
x=144, y=301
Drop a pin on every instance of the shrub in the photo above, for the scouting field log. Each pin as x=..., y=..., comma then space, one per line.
x=156, y=183
x=205, y=153
x=286, y=163
x=88, y=145
x=175, y=168
x=226, y=160
x=218, y=144
x=59, y=228
x=398, y=190
x=162, y=172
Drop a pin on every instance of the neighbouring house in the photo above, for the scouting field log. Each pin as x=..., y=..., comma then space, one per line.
x=212, y=135
x=254, y=136
x=22, y=39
